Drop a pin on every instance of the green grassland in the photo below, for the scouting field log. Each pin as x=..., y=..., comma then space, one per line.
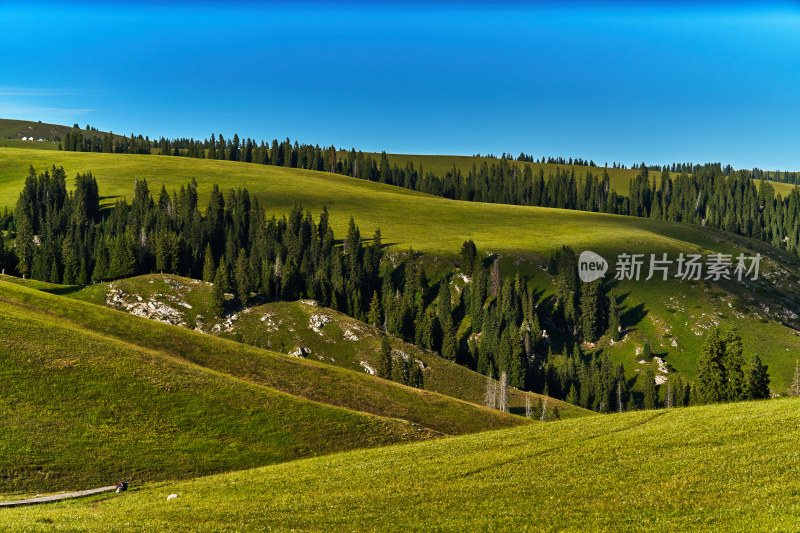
x=19, y=143
x=404, y=217
x=285, y=327
x=81, y=409
x=304, y=378
x=729, y=467
x=523, y=236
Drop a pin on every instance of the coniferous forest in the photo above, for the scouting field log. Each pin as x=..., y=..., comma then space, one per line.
x=742, y=202
x=64, y=237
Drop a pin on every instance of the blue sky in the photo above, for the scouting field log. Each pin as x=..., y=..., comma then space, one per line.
x=658, y=82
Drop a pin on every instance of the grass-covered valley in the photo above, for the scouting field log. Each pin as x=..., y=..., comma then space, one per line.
x=251, y=332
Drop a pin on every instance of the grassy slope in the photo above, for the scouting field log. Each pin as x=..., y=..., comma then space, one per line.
x=284, y=326
x=81, y=409
x=17, y=129
x=723, y=468
x=523, y=235
x=307, y=379
x=403, y=216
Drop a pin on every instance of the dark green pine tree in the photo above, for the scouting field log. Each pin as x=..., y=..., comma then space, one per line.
x=218, y=294
x=69, y=256
x=448, y=335
x=614, y=320
x=212, y=147
x=734, y=365
x=572, y=396
x=123, y=257
x=209, y=269
x=225, y=278
x=384, y=367
x=243, y=279
x=757, y=379
x=24, y=245
x=374, y=315
x=650, y=393
x=101, y=265
x=400, y=370
x=591, y=316
x=711, y=375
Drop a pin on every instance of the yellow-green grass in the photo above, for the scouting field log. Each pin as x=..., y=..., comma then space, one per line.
x=406, y=218
x=728, y=467
x=307, y=379
x=81, y=409
x=285, y=327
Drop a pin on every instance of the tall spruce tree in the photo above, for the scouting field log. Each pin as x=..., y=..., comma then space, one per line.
x=712, y=377
x=209, y=268
x=243, y=279
x=384, y=369
x=734, y=366
x=757, y=379
x=218, y=294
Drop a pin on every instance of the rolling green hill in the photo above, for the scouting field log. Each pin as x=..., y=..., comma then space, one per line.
x=523, y=237
x=90, y=393
x=11, y=129
x=287, y=326
x=83, y=409
x=727, y=467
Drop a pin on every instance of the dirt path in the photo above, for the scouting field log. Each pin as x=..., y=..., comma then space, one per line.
x=57, y=497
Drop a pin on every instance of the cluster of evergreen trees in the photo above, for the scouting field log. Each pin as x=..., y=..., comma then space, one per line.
x=734, y=203
x=723, y=374
x=397, y=368
x=233, y=241
x=77, y=141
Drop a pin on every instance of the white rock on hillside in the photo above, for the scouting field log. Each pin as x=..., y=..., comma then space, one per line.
x=317, y=322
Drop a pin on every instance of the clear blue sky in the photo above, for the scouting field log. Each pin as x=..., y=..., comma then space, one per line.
x=606, y=81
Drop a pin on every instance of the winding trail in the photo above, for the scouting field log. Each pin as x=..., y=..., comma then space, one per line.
x=57, y=497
